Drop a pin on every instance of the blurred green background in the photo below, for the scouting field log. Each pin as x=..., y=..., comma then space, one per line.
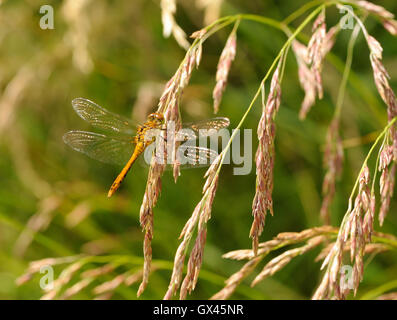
x=53, y=200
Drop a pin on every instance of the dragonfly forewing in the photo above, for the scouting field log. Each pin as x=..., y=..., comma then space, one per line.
x=200, y=129
x=101, y=118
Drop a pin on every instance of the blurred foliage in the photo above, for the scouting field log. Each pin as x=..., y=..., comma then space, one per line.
x=113, y=52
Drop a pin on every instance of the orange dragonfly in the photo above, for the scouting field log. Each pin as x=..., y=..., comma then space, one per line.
x=124, y=142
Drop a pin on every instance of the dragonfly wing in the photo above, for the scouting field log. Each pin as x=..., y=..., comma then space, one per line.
x=202, y=128
x=213, y=123
x=188, y=156
x=101, y=118
x=193, y=156
x=100, y=147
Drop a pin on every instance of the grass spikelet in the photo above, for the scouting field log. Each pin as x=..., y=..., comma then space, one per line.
x=194, y=264
x=375, y=9
x=236, y=279
x=169, y=105
x=199, y=218
x=333, y=161
x=315, y=51
x=282, y=260
x=356, y=227
x=168, y=10
x=263, y=202
x=225, y=61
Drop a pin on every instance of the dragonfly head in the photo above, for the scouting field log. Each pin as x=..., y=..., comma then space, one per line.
x=157, y=118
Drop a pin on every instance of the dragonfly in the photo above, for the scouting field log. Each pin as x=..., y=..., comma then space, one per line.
x=124, y=141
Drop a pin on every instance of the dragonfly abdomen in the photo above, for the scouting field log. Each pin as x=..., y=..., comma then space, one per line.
x=140, y=147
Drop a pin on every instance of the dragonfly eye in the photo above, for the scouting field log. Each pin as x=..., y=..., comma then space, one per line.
x=157, y=117
x=160, y=117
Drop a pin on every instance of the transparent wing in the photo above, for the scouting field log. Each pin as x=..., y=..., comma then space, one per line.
x=100, y=147
x=202, y=128
x=102, y=118
x=188, y=156
x=193, y=156
x=213, y=123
